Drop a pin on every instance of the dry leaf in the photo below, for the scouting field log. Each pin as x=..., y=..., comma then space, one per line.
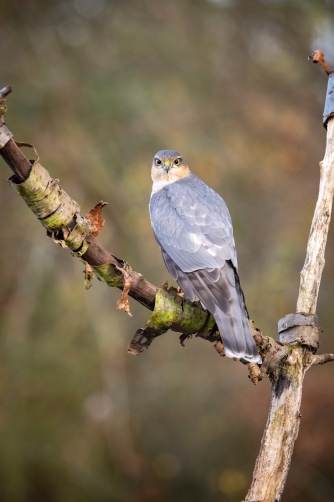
x=89, y=276
x=95, y=218
x=123, y=302
x=255, y=374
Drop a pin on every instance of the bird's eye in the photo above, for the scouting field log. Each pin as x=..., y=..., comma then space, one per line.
x=177, y=162
x=157, y=162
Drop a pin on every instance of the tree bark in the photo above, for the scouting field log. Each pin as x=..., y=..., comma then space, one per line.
x=273, y=462
x=310, y=276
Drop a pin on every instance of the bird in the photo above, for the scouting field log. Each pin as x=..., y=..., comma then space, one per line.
x=193, y=228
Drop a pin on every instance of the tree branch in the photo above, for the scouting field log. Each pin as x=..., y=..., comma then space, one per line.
x=322, y=359
x=315, y=256
x=273, y=462
x=105, y=263
x=59, y=214
x=319, y=57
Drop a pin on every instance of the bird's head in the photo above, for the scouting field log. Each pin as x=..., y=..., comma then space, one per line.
x=168, y=166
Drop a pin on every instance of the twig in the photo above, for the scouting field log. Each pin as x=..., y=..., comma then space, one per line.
x=322, y=359
x=318, y=57
x=5, y=91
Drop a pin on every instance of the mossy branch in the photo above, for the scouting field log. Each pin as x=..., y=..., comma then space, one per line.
x=60, y=216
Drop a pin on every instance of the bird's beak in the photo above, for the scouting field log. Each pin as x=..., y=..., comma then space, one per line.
x=167, y=166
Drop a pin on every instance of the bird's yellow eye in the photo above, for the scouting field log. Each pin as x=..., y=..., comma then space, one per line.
x=157, y=162
x=177, y=162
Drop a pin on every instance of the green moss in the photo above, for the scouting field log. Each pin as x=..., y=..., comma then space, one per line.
x=54, y=208
x=277, y=419
x=172, y=311
x=108, y=274
x=37, y=186
x=293, y=346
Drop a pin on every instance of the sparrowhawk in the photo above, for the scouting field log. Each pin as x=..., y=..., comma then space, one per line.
x=193, y=228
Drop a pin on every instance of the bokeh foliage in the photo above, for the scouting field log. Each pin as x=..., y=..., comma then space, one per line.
x=99, y=87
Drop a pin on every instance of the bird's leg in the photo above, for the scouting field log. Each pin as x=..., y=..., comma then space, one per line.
x=179, y=292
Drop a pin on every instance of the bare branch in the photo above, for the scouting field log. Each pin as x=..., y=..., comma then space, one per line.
x=322, y=359
x=315, y=255
x=318, y=57
x=273, y=462
x=5, y=91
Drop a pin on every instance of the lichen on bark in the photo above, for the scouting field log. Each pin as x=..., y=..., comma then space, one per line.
x=173, y=312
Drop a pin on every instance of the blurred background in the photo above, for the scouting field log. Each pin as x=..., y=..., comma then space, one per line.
x=98, y=87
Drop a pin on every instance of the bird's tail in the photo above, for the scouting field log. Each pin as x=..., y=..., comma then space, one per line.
x=234, y=328
x=235, y=332
x=220, y=292
x=240, y=294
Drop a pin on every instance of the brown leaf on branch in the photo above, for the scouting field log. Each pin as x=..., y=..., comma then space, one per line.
x=95, y=217
x=97, y=222
x=123, y=302
x=89, y=276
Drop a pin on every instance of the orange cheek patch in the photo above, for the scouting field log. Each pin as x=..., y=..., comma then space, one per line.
x=161, y=178
x=178, y=173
